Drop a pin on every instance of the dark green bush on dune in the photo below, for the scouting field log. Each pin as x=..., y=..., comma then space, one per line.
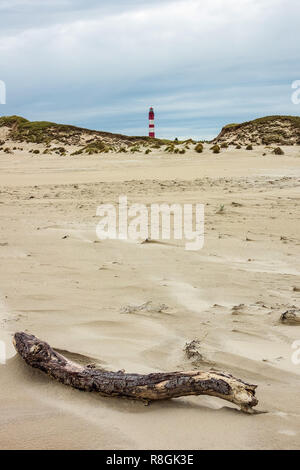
x=278, y=151
x=199, y=148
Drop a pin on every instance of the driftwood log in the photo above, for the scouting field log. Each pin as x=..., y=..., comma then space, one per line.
x=156, y=386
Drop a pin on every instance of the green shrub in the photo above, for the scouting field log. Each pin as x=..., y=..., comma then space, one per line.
x=278, y=151
x=95, y=146
x=170, y=148
x=249, y=147
x=221, y=209
x=215, y=148
x=199, y=148
x=224, y=145
x=268, y=139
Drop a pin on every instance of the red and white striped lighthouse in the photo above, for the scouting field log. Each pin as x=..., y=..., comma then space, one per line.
x=151, y=123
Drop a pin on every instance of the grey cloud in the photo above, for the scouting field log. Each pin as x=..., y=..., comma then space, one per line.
x=100, y=64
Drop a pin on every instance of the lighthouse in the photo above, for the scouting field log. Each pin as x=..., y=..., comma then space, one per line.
x=151, y=123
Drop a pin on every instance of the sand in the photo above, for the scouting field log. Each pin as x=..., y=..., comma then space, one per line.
x=59, y=282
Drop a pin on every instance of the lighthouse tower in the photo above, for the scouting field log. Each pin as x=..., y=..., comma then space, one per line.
x=151, y=123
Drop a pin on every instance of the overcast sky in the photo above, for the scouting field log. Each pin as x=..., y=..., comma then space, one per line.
x=101, y=64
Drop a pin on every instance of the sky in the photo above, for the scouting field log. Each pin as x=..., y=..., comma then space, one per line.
x=101, y=64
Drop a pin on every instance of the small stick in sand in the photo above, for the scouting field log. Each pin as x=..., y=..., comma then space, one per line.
x=156, y=386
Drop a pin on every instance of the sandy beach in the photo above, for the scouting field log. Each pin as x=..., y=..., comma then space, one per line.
x=127, y=305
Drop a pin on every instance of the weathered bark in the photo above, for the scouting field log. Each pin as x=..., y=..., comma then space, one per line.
x=156, y=386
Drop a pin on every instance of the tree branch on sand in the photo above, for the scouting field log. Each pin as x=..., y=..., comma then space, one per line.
x=155, y=386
